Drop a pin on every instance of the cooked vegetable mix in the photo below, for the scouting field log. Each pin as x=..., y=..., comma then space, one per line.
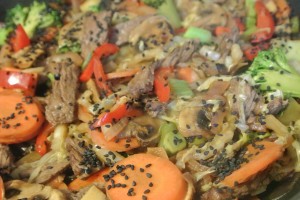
x=151, y=99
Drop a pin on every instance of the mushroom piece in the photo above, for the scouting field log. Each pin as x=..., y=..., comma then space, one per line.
x=192, y=121
x=17, y=189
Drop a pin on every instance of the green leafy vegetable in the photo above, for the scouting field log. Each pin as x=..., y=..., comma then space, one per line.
x=203, y=35
x=171, y=140
x=180, y=88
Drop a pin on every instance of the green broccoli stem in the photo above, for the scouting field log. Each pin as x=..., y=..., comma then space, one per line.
x=169, y=10
x=284, y=81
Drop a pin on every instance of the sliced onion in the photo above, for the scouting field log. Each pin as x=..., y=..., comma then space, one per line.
x=112, y=130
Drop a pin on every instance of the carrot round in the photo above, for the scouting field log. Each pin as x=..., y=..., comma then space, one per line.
x=260, y=156
x=20, y=117
x=120, y=145
x=78, y=183
x=145, y=175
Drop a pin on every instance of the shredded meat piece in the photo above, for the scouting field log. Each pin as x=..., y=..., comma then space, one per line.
x=6, y=159
x=122, y=31
x=95, y=31
x=154, y=107
x=82, y=160
x=142, y=82
x=62, y=100
x=216, y=194
x=181, y=54
x=151, y=30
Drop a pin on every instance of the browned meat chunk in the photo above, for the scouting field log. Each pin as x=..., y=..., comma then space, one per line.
x=216, y=194
x=122, y=31
x=95, y=31
x=142, y=82
x=6, y=159
x=50, y=171
x=154, y=107
x=62, y=100
x=245, y=94
x=181, y=54
x=83, y=160
x=276, y=105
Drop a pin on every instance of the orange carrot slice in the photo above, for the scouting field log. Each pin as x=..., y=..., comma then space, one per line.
x=21, y=117
x=145, y=175
x=120, y=145
x=122, y=74
x=260, y=157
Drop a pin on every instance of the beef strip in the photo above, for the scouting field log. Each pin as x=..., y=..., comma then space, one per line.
x=6, y=159
x=276, y=105
x=122, y=31
x=142, y=82
x=62, y=100
x=95, y=31
x=51, y=170
x=243, y=92
x=83, y=160
x=181, y=54
x=216, y=194
x=154, y=107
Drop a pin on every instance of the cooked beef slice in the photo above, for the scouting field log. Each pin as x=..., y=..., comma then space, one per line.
x=95, y=31
x=82, y=159
x=142, y=82
x=181, y=54
x=61, y=103
x=154, y=107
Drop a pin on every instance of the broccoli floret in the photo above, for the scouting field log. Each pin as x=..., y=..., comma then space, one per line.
x=166, y=8
x=271, y=71
x=16, y=15
x=40, y=16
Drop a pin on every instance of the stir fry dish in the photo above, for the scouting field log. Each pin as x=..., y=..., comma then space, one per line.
x=148, y=100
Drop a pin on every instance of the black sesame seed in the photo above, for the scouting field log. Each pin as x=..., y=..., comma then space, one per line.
x=148, y=175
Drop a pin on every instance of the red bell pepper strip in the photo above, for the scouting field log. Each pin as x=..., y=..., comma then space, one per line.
x=241, y=26
x=118, y=113
x=265, y=24
x=15, y=79
x=100, y=76
x=161, y=85
x=20, y=39
x=40, y=143
x=103, y=50
x=87, y=72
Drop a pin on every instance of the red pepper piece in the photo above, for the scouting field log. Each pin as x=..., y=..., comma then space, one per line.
x=116, y=114
x=161, y=85
x=41, y=140
x=265, y=23
x=15, y=79
x=20, y=39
